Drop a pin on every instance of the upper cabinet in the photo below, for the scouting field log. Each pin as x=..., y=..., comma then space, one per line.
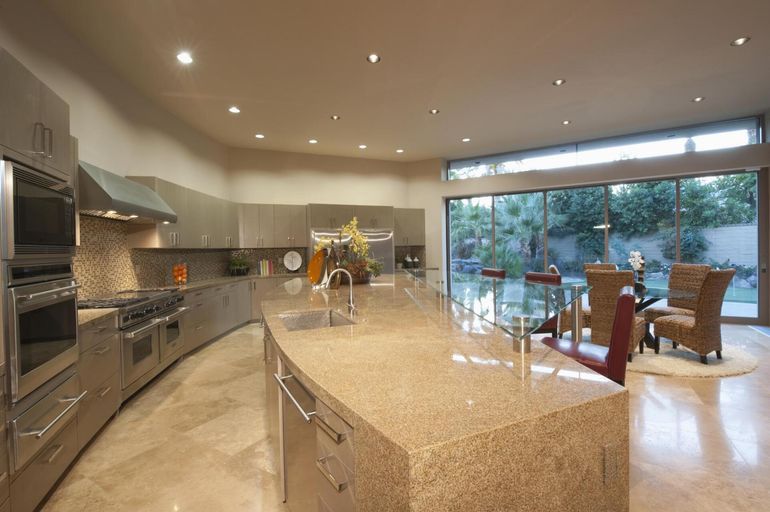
x=256, y=225
x=290, y=225
x=203, y=221
x=409, y=226
x=329, y=215
x=372, y=217
x=34, y=121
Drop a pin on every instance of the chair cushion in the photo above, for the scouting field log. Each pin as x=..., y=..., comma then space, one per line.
x=674, y=326
x=652, y=314
x=587, y=354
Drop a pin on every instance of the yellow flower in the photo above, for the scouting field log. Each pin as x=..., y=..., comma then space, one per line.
x=358, y=243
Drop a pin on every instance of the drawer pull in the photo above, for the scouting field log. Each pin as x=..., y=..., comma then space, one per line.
x=321, y=465
x=43, y=431
x=57, y=449
x=337, y=437
x=199, y=328
x=99, y=329
x=102, y=351
x=104, y=391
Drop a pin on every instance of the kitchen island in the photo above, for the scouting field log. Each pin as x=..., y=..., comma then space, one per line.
x=446, y=416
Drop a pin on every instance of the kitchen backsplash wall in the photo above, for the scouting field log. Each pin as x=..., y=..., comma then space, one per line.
x=415, y=250
x=104, y=264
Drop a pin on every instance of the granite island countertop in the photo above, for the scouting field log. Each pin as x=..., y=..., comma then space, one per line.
x=446, y=415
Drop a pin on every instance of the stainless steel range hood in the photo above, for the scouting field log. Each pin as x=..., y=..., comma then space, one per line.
x=104, y=194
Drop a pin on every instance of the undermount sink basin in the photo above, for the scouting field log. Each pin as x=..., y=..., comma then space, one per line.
x=315, y=319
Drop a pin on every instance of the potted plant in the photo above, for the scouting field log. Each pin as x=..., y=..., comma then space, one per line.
x=355, y=257
x=238, y=266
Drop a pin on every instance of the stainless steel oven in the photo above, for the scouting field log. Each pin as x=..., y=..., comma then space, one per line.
x=140, y=349
x=38, y=213
x=172, y=333
x=42, y=324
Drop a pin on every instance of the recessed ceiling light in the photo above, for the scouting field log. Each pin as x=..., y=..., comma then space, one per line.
x=433, y=111
x=259, y=136
x=399, y=150
x=184, y=57
x=697, y=99
x=373, y=58
x=234, y=109
x=740, y=41
x=312, y=141
x=166, y=222
x=559, y=81
x=466, y=139
x=566, y=122
x=335, y=117
x=362, y=146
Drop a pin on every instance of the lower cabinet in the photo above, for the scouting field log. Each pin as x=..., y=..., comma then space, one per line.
x=31, y=484
x=97, y=408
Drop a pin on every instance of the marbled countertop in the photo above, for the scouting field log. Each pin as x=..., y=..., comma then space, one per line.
x=89, y=316
x=421, y=370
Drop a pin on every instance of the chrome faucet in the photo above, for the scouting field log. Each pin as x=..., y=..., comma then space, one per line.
x=351, y=304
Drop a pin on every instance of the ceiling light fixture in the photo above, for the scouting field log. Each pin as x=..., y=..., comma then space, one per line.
x=433, y=111
x=234, y=109
x=566, y=122
x=740, y=41
x=184, y=57
x=335, y=117
x=373, y=58
x=399, y=150
x=362, y=146
x=166, y=222
x=558, y=82
x=697, y=99
x=259, y=136
x=466, y=139
x=312, y=141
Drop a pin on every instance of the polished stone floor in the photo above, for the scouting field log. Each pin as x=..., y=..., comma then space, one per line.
x=195, y=440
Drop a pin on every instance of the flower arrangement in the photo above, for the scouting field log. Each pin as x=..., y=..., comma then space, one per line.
x=636, y=260
x=355, y=257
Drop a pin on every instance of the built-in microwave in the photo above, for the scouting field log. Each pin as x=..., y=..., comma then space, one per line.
x=38, y=213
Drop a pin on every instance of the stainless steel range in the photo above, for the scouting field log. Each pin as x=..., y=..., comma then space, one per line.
x=151, y=334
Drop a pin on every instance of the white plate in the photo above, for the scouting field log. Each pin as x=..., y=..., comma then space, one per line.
x=292, y=260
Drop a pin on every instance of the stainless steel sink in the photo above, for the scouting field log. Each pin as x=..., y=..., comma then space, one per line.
x=314, y=319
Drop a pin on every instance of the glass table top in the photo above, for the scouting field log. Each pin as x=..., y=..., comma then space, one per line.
x=515, y=305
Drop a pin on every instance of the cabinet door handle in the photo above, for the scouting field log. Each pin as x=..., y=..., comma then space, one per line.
x=56, y=450
x=102, y=351
x=43, y=431
x=49, y=132
x=321, y=465
x=337, y=437
x=41, y=127
x=104, y=392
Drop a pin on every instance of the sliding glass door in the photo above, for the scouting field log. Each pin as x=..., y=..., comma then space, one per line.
x=704, y=219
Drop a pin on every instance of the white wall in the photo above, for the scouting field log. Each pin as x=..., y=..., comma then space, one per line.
x=118, y=128
x=258, y=176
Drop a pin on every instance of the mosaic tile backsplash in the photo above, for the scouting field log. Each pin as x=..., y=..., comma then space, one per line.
x=104, y=264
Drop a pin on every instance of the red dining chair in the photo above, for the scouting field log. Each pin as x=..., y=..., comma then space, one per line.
x=498, y=273
x=609, y=361
x=551, y=326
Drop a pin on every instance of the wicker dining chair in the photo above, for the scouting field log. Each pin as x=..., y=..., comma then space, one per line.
x=684, y=287
x=605, y=287
x=587, y=309
x=701, y=333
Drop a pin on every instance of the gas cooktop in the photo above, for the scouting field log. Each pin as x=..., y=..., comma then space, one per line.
x=125, y=298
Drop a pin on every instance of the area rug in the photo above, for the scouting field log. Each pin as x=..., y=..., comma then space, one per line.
x=682, y=362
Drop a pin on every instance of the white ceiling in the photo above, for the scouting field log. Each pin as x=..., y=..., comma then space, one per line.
x=486, y=64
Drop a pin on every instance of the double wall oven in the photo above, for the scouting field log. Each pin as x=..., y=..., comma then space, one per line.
x=38, y=301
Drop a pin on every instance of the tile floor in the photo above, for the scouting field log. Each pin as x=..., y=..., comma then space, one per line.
x=195, y=440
